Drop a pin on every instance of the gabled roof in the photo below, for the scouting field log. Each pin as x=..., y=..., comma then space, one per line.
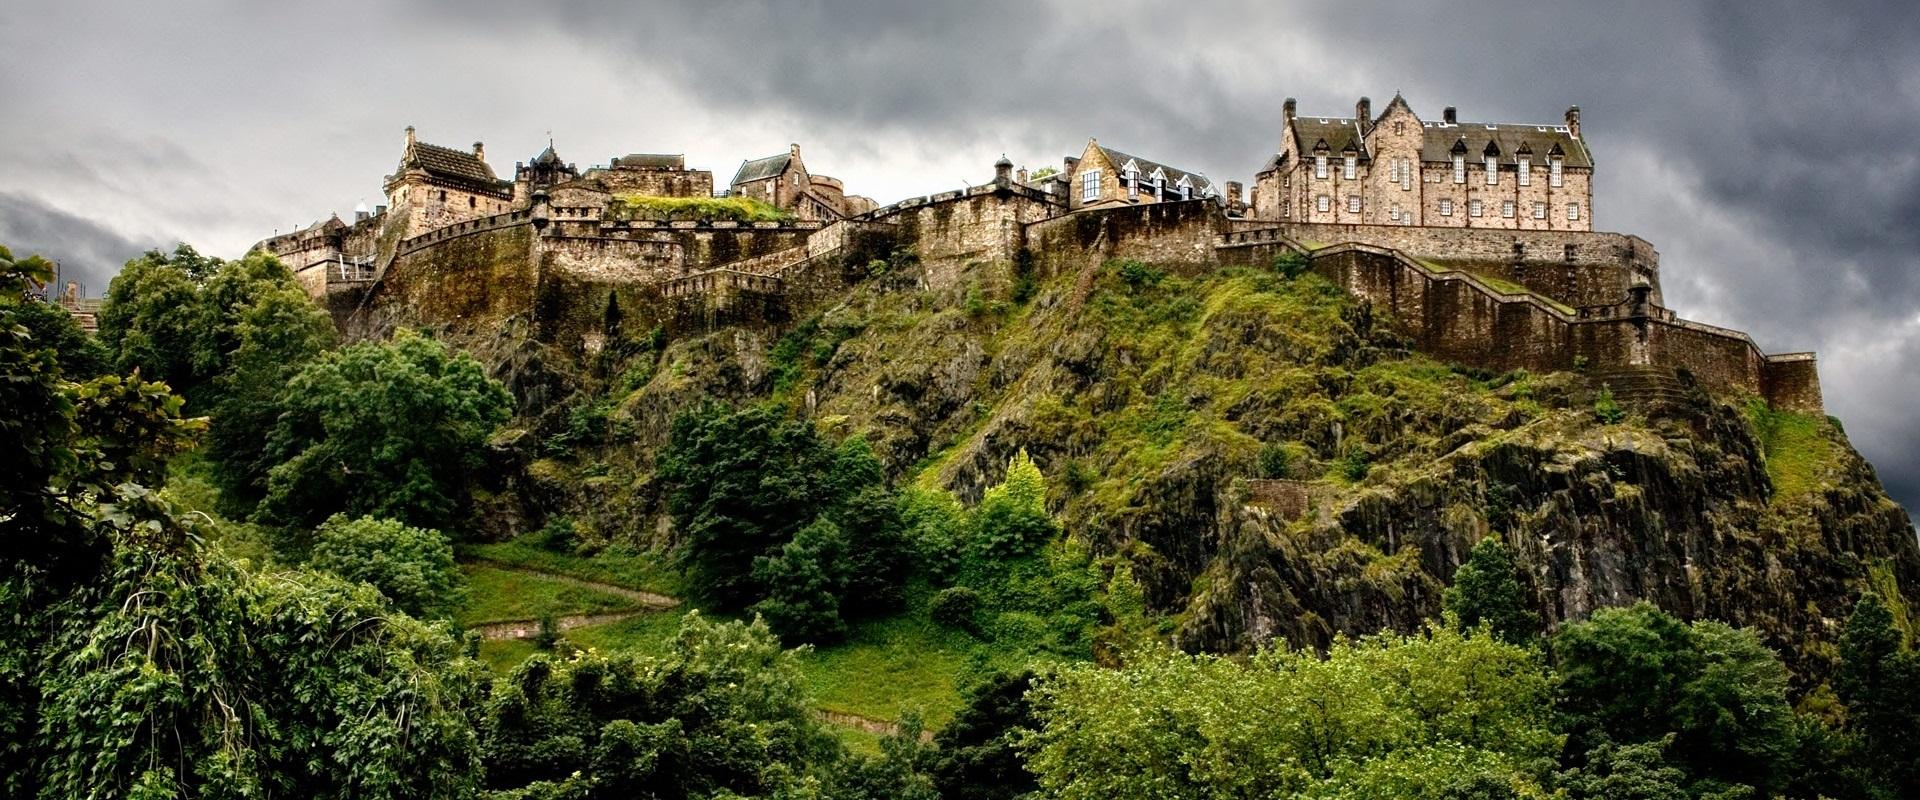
x=450, y=165
x=652, y=161
x=1174, y=175
x=1339, y=133
x=1506, y=139
x=761, y=168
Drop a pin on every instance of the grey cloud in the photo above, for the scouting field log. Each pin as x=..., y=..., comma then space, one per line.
x=87, y=252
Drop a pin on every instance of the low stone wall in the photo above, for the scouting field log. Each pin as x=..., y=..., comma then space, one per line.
x=1181, y=236
x=951, y=231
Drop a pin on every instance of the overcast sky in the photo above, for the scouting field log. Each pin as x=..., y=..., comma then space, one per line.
x=1767, y=148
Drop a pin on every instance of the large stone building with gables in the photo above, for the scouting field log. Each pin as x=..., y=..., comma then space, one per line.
x=1398, y=169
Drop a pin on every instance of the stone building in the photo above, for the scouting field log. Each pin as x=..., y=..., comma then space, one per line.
x=438, y=186
x=1103, y=176
x=1397, y=169
x=783, y=180
x=649, y=174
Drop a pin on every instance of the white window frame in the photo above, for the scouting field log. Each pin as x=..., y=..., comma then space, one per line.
x=1507, y=209
x=1539, y=210
x=1393, y=212
x=1459, y=169
x=1089, y=185
x=1556, y=167
x=1526, y=171
x=1286, y=208
x=1446, y=207
x=1353, y=204
x=1347, y=165
x=1493, y=170
x=1320, y=167
x=1573, y=211
x=1475, y=208
x=1322, y=203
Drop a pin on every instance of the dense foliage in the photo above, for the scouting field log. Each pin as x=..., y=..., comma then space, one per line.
x=1486, y=591
x=396, y=430
x=413, y=567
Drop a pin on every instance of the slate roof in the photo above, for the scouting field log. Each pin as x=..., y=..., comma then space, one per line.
x=447, y=164
x=652, y=161
x=1173, y=174
x=1337, y=132
x=1440, y=140
x=760, y=168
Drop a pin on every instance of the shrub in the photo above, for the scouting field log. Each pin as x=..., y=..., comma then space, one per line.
x=1137, y=274
x=547, y=636
x=1273, y=460
x=413, y=567
x=957, y=607
x=1011, y=519
x=1291, y=264
x=1606, y=408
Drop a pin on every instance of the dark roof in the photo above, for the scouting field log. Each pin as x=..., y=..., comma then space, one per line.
x=1338, y=133
x=1507, y=139
x=448, y=164
x=547, y=157
x=1174, y=175
x=761, y=168
x=652, y=161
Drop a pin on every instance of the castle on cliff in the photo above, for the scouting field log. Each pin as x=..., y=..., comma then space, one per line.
x=1477, y=239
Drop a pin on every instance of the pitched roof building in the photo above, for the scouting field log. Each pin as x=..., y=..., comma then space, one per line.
x=1397, y=169
x=1104, y=176
x=784, y=181
x=438, y=186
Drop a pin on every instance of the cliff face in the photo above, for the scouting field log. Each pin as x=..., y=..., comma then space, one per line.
x=1159, y=404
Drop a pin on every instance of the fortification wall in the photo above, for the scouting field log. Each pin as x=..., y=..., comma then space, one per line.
x=1178, y=235
x=642, y=258
x=464, y=282
x=1578, y=268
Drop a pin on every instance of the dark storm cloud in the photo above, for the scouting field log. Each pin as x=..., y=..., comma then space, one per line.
x=1766, y=147
x=87, y=252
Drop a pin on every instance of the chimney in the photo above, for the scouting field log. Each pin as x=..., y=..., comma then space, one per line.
x=1449, y=116
x=1573, y=121
x=1233, y=198
x=379, y=210
x=479, y=151
x=1287, y=109
x=1363, y=110
x=409, y=135
x=793, y=150
x=1020, y=176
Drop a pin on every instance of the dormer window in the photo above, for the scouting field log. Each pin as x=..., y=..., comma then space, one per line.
x=1493, y=170
x=1526, y=171
x=1090, y=185
x=1554, y=171
x=1459, y=169
x=1320, y=167
x=1346, y=168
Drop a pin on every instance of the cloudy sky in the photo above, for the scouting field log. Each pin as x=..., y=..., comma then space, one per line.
x=1767, y=148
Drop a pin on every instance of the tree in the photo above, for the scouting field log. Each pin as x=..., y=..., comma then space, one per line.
x=396, y=430
x=413, y=567
x=1486, y=590
x=804, y=583
x=1626, y=772
x=151, y=317
x=724, y=710
x=1876, y=680
x=272, y=338
x=894, y=774
x=50, y=327
x=1012, y=518
x=977, y=756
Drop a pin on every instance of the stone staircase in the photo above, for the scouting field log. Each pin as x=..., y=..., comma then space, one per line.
x=1642, y=386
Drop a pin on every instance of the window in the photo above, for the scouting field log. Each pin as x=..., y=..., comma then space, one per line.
x=443, y=195
x=1554, y=166
x=1446, y=208
x=1573, y=211
x=1320, y=167
x=1286, y=209
x=1539, y=210
x=1393, y=212
x=1090, y=185
x=1406, y=174
x=1473, y=208
x=1526, y=171
x=1506, y=209
x=1346, y=167
x=473, y=202
x=1353, y=203
x=1400, y=127
x=1322, y=203
x=1186, y=192
x=1132, y=178
x=1459, y=169
x=1493, y=170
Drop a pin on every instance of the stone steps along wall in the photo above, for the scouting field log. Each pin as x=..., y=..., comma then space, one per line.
x=1457, y=317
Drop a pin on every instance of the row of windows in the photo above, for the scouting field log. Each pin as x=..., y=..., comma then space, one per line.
x=1090, y=186
x=1556, y=175
x=1324, y=203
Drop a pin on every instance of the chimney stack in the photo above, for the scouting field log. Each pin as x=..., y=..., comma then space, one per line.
x=1234, y=206
x=1287, y=109
x=479, y=151
x=793, y=150
x=1449, y=116
x=1020, y=176
x=409, y=135
x=1363, y=110
x=1573, y=121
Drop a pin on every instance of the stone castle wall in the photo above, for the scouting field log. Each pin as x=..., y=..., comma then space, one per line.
x=1178, y=235
x=951, y=231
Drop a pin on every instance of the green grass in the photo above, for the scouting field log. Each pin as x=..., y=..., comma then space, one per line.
x=644, y=571
x=649, y=634
x=1797, y=450
x=856, y=740
x=502, y=655
x=905, y=662
x=742, y=209
x=495, y=594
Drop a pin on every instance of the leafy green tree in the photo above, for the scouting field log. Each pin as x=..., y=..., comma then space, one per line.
x=1436, y=715
x=1486, y=590
x=1626, y=772
x=804, y=583
x=396, y=430
x=895, y=774
x=50, y=327
x=1876, y=681
x=272, y=338
x=1636, y=674
x=977, y=756
x=723, y=711
x=1012, y=518
x=413, y=567
x=151, y=317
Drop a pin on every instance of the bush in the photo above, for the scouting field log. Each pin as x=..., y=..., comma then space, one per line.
x=957, y=607
x=1011, y=519
x=1606, y=408
x=1137, y=274
x=1274, y=460
x=1291, y=264
x=413, y=567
